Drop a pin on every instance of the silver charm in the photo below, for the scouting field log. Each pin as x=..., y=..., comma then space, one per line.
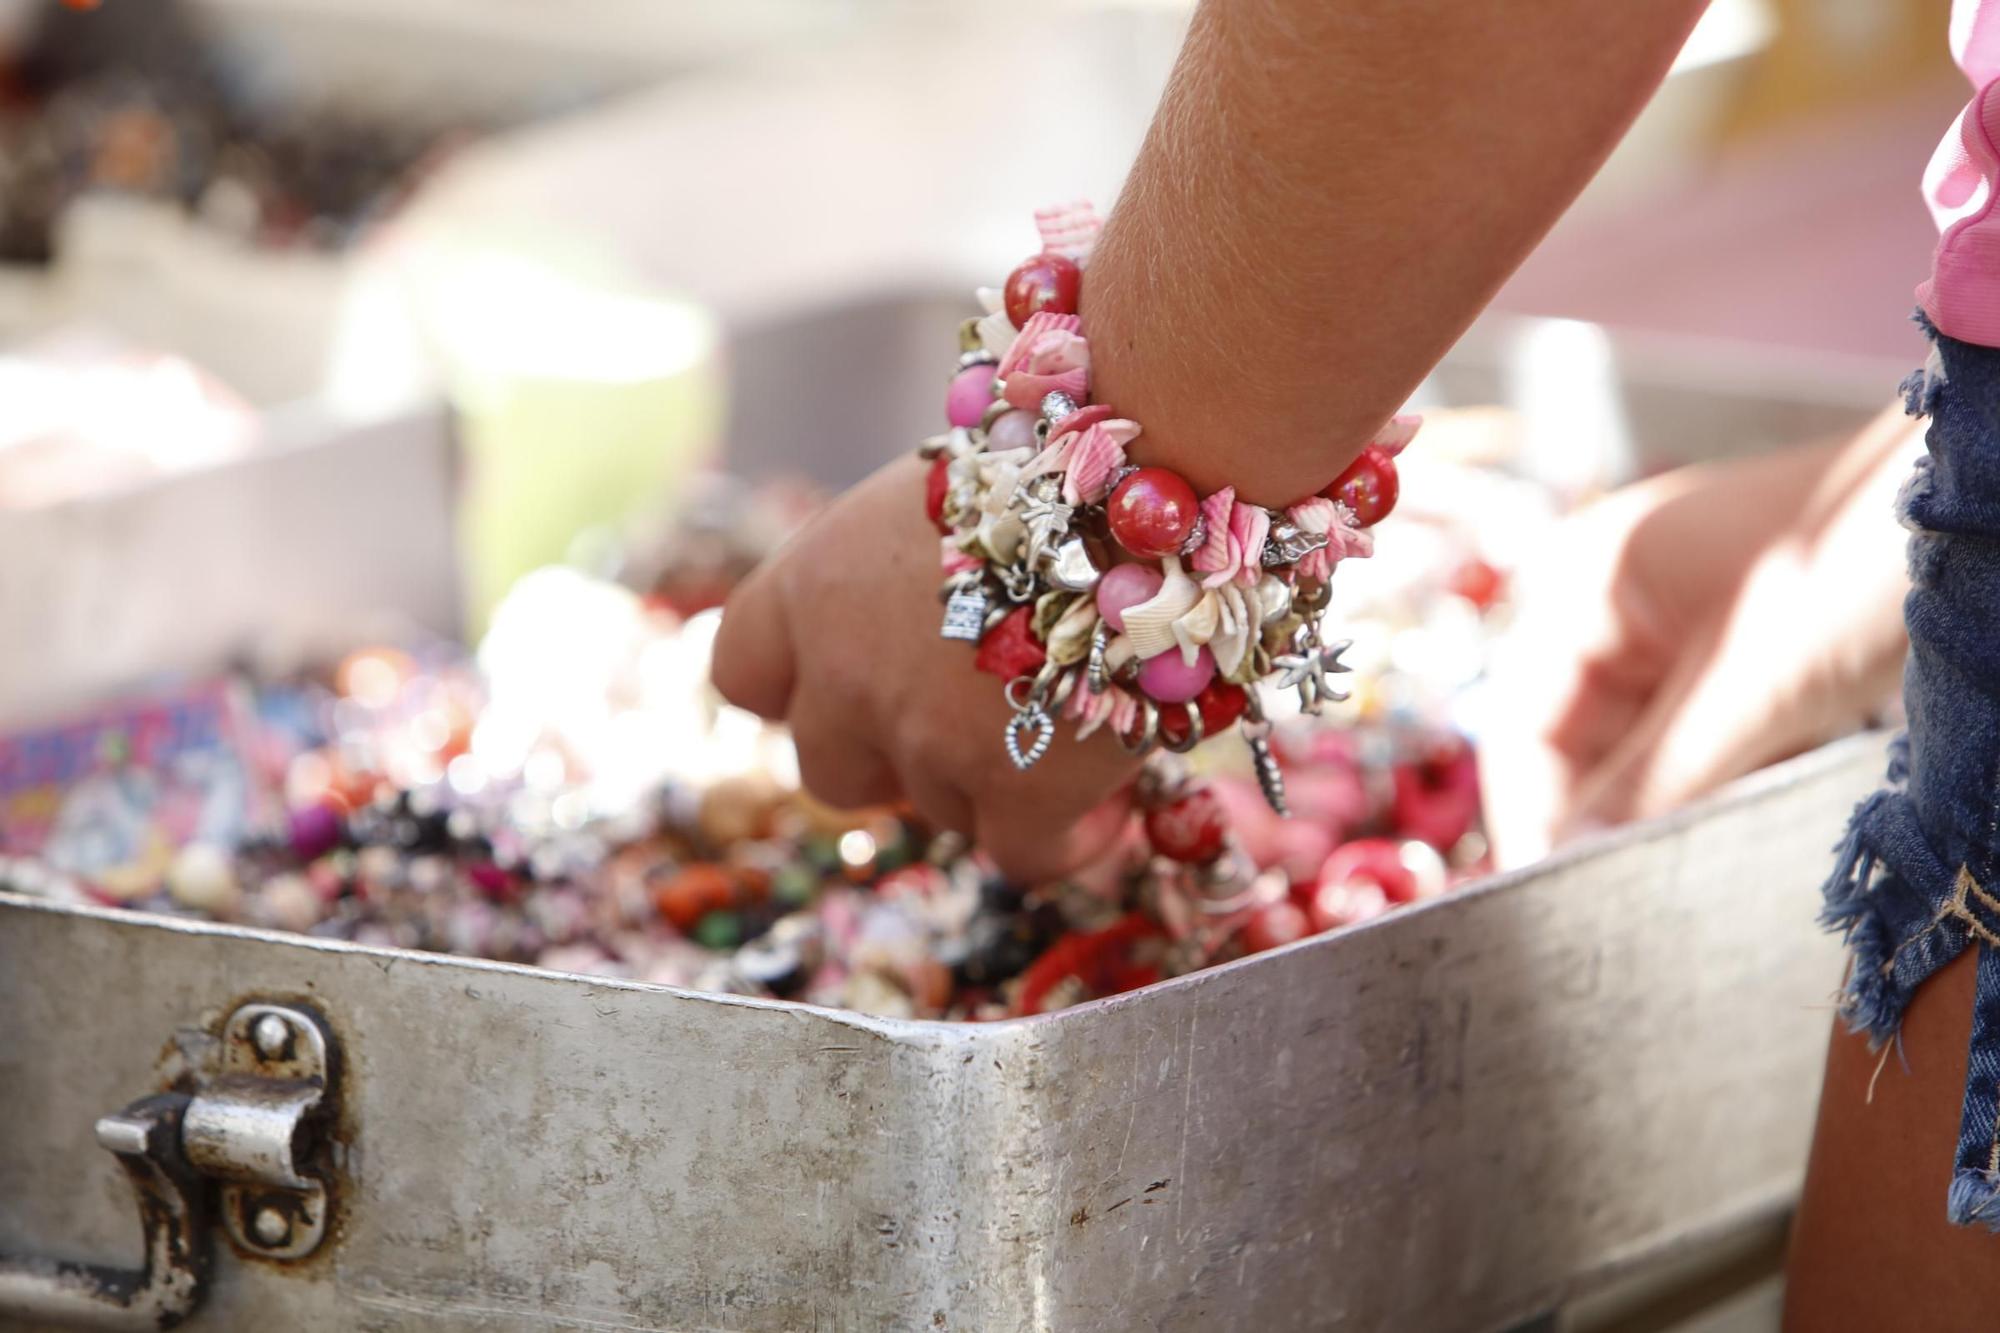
x=1070, y=568
x=1305, y=669
x=1288, y=545
x=1271, y=778
x=965, y=615
x=1047, y=519
x=1034, y=718
x=1098, y=676
x=1056, y=406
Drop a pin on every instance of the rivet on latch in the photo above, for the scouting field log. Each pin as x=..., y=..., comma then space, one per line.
x=271, y=1035
x=272, y=1227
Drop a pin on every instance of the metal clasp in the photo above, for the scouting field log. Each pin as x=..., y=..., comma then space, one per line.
x=257, y=1125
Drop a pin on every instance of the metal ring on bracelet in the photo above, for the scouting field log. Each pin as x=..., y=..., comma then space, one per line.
x=1193, y=737
x=1149, y=731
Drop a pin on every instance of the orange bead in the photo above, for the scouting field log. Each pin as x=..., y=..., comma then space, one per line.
x=693, y=893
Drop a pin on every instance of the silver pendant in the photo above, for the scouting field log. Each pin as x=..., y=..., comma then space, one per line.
x=1034, y=718
x=1306, y=667
x=1288, y=545
x=1097, y=672
x=965, y=615
x=1070, y=567
x=1270, y=777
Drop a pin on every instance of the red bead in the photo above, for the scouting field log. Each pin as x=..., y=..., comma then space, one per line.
x=693, y=893
x=1274, y=924
x=1045, y=282
x=1437, y=796
x=1192, y=829
x=1152, y=512
x=1370, y=861
x=935, y=486
x=1337, y=905
x=1369, y=486
x=1477, y=582
x=1010, y=649
x=1220, y=703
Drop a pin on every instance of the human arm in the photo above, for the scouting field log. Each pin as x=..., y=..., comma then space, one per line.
x=1328, y=196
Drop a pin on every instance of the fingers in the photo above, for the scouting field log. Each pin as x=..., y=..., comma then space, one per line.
x=837, y=762
x=1030, y=845
x=753, y=666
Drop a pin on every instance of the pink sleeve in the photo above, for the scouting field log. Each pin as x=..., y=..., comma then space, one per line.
x=1962, y=295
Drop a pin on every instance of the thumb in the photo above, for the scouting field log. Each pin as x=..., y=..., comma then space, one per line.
x=753, y=666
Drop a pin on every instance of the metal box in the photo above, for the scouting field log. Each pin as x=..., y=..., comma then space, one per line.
x=1454, y=1118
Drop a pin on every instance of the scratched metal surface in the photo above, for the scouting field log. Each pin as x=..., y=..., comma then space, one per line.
x=1451, y=1119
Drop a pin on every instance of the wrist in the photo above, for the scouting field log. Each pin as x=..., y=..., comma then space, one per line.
x=1255, y=415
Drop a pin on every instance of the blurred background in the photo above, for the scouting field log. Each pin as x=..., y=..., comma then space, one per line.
x=341, y=340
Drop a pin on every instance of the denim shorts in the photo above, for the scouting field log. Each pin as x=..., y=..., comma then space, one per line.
x=1918, y=875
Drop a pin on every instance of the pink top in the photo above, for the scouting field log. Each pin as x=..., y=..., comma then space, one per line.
x=1962, y=295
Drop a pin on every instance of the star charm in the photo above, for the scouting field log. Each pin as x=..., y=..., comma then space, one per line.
x=1305, y=669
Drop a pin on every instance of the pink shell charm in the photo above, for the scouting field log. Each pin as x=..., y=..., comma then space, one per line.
x=1031, y=336
x=1027, y=388
x=1344, y=540
x=1049, y=357
x=1234, y=548
x=1095, y=458
x=1393, y=438
x=1069, y=230
x=1085, y=416
x=1213, y=554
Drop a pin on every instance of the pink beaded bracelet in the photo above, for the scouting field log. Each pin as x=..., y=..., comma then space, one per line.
x=1036, y=498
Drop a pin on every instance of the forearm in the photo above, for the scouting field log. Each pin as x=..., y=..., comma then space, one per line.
x=1329, y=194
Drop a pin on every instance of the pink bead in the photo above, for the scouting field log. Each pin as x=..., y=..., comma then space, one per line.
x=1126, y=586
x=1011, y=430
x=970, y=393
x=1168, y=679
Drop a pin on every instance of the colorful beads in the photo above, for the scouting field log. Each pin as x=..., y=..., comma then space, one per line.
x=1369, y=487
x=1193, y=829
x=1170, y=679
x=1123, y=587
x=1045, y=282
x=1152, y=512
x=971, y=392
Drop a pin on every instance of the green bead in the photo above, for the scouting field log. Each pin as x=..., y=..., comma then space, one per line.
x=719, y=931
x=795, y=884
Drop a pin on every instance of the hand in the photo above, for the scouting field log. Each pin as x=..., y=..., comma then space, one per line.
x=837, y=634
x=1693, y=628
